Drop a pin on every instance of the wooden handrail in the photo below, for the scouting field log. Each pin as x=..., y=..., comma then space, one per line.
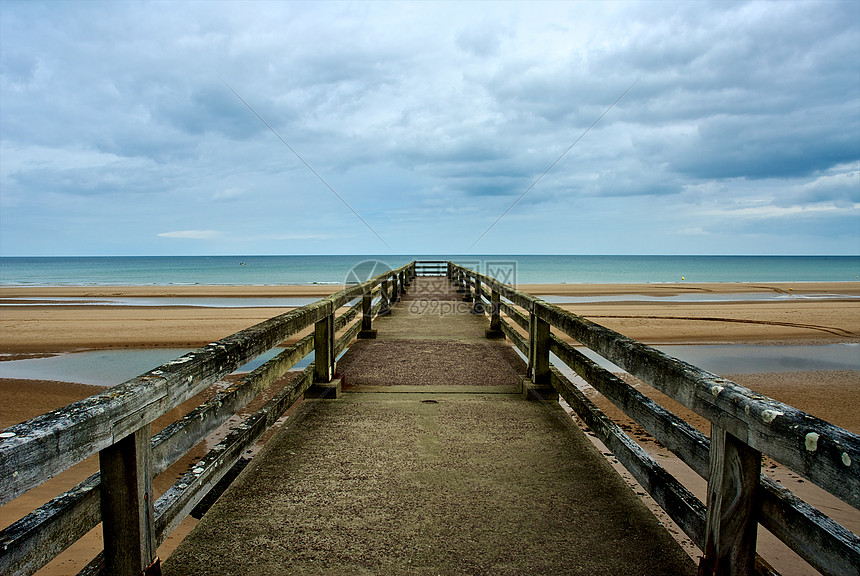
x=751, y=423
x=34, y=451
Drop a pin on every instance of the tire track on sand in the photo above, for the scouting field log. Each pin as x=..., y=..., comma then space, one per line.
x=827, y=329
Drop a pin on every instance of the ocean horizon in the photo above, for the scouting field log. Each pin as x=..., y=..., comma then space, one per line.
x=512, y=269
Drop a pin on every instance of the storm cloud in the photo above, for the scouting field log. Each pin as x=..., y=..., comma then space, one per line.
x=120, y=132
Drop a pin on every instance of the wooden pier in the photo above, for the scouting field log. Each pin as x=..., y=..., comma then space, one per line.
x=429, y=447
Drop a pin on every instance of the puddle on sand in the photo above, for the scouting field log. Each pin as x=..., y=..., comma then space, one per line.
x=754, y=359
x=108, y=367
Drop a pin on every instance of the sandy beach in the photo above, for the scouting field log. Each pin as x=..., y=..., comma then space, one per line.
x=35, y=323
x=30, y=324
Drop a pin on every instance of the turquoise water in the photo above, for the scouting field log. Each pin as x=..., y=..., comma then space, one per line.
x=529, y=269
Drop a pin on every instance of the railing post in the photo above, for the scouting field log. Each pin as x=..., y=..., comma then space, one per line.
x=385, y=304
x=128, y=520
x=467, y=287
x=495, y=330
x=538, y=349
x=324, y=385
x=538, y=383
x=458, y=280
x=367, y=330
x=395, y=289
x=478, y=308
x=732, y=522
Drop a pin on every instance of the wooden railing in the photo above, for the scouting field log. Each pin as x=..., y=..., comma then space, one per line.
x=116, y=425
x=431, y=268
x=744, y=425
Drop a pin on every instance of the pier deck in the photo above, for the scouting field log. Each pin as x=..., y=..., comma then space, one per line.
x=429, y=462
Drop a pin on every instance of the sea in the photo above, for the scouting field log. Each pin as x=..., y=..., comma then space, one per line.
x=512, y=269
x=113, y=366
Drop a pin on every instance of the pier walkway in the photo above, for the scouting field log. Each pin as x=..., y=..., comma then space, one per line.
x=430, y=461
x=429, y=447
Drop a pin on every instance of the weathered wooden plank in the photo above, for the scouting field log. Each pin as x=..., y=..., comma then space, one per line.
x=478, y=297
x=539, y=338
x=681, y=505
x=175, y=504
x=350, y=293
x=169, y=445
x=515, y=315
x=78, y=507
x=366, y=313
x=522, y=299
x=484, y=297
x=825, y=544
x=731, y=526
x=467, y=288
x=395, y=288
x=823, y=453
x=36, y=539
x=495, y=312
x=178, y=501
x=690, y=445
x=375, y=310
x=385, y=299
x=346, y=338
x=324, y=347
x=828, y=546
x=349, y=315
x=354, y=291
x=48, y=444
x=128, y=522
x=518, y=339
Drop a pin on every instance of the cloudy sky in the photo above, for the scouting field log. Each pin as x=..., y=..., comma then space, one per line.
x=120, y=133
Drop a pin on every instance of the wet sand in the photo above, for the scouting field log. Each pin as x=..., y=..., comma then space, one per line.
x=27, y=330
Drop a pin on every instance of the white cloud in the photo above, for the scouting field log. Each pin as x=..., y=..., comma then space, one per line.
x=193, y=234
x=229, y=194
